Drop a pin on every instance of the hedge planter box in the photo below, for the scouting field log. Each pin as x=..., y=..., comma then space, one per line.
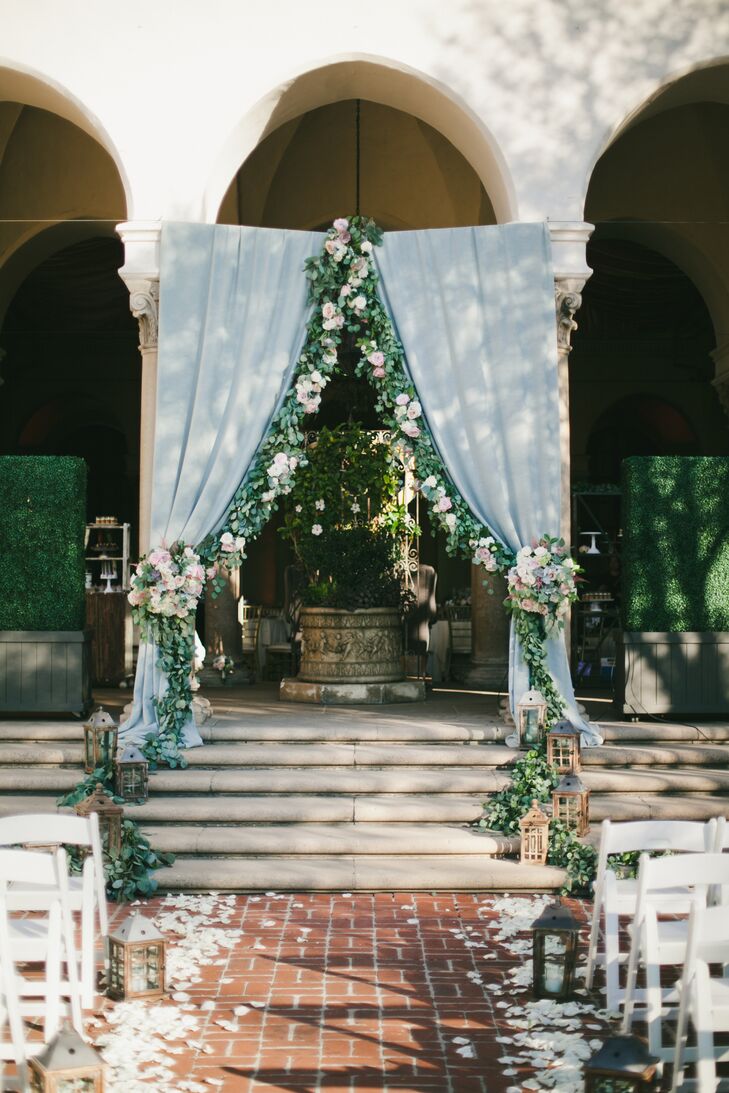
x=672, y=673
x=45, y=671
x=351, y=646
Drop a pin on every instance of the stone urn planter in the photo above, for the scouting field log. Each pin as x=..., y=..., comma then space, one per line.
x=363, y=646
x=351, y=658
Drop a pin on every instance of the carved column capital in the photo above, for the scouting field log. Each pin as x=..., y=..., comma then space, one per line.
x=140, y=273
x=144, y=306
x=568, y=300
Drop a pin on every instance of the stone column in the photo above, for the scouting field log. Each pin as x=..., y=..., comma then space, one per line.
x=571, y=271
x=140, y=273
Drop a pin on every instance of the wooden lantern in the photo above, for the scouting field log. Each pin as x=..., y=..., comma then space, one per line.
x=110, y=818
x=571, y=804
x=66, y=1065
x=534, y=827
x=136, y=960
x=101, y=733
x=554, y=952
x=131, y=775
x=621, y=1065
x=531, y=718
x=563, y=748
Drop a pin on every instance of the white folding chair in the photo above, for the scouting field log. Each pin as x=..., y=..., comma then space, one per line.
x=704, y=998
x=615, y=898
x=656, y=942
x=13, y=1048
x=43, y=939
x=87, y=892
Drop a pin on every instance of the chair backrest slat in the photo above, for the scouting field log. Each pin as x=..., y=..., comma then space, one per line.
x=51, y=828
x=657, y=874
x=657, y=835
x=27, y=867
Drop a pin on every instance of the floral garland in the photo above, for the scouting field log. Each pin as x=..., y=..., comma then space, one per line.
x=343, y=290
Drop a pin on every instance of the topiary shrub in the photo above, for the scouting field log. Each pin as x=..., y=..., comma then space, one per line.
x=675, y=557
x=42, y=524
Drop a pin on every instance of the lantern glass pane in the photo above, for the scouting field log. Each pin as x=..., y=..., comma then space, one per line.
x=555, y=951
x=530, y=726
x=89, y=741
x=144, y=969
x=132, y=782
x=76, y=1085
x=116, y=969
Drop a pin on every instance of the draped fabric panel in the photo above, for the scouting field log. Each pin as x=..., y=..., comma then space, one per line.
x=474, y=310
x=232, y=319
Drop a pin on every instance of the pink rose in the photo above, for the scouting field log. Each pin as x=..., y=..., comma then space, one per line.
x=402, y=400
x=378, y=373
x=444, y=503
x=328, y=310
x=211, y=572
x=410, y=429
x=377, y=358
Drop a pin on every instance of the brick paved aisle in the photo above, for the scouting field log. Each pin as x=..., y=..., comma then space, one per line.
x=339, y=992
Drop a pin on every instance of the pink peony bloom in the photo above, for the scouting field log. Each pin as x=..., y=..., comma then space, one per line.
x=377, y=358
x=402, y=400
x=340, y=224
x=410, y=429
x=443, y=504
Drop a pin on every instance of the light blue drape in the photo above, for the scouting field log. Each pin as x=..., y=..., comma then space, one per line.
x=474, y=309
x=232, y=319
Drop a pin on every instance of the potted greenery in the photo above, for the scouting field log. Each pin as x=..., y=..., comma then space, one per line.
x=344, y=523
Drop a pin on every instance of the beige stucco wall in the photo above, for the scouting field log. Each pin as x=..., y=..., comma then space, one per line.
x=179, y=91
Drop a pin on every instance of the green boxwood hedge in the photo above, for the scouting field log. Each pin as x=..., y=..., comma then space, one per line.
x=675, y=558
x=42, y=522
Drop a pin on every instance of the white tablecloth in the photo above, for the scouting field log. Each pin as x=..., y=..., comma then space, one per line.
x=273, y=630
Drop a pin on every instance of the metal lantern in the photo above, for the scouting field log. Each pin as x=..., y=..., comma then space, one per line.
x=554, y=952
x=563, y=748
x=571, y=804
x=131, y=775
x=531, y=717
x=534, y=827
x=621, y=1065
x=100, y=739
x=66, y=1065
x=136, y=960
x=110, y=818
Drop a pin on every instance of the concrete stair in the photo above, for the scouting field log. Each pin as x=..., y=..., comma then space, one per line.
x=336, y=799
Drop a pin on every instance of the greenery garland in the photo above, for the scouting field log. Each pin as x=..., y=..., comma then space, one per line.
x=128, y=873
x=344, y=297
x=533, y=778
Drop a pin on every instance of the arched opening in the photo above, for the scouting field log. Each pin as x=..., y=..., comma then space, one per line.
x=378, y=82
x=401, y=171
x=647, y=358
x=71, y=372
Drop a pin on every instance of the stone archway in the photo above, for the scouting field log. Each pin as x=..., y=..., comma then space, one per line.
x=377, y=80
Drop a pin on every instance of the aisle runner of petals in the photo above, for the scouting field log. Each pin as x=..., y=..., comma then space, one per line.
x=141, y=1040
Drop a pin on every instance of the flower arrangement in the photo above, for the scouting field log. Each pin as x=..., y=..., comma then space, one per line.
x=167, y=583
x=224, y=665
x=543, y=581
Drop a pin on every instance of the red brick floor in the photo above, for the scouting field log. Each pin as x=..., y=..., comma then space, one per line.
x=361, y=992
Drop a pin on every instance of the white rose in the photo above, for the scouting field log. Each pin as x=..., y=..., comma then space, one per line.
x=431, y=482
x=366, y=247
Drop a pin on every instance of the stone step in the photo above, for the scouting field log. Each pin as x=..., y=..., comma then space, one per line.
x=326, y=839
x=656, y=755
x=682, y=780
x=636, y=806
x=662, y=732
x=348, y=873
x=273, y=809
